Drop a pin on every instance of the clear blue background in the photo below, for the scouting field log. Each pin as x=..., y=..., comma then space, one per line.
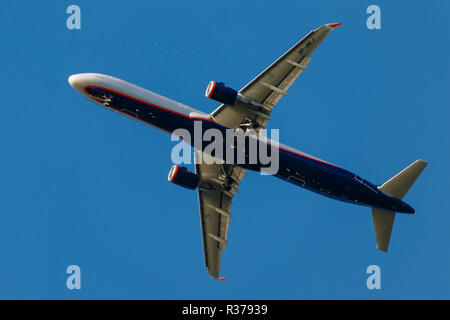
x=81, y=185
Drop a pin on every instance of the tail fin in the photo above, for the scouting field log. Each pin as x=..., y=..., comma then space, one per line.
x=397, y=186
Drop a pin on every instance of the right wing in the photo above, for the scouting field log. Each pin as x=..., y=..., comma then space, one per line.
x=215, y=205
x=268, y=87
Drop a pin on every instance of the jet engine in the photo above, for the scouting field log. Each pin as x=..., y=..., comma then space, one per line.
x=219, y=92
x=183, y=177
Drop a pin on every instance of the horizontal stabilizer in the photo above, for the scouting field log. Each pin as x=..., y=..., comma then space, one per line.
x=398, y=185
x=383, y=221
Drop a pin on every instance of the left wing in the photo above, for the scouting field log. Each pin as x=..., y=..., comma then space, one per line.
x=267, y=88
x=214, y=200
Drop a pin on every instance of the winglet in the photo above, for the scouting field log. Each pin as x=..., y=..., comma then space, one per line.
x=334, y=25
x=222, y=278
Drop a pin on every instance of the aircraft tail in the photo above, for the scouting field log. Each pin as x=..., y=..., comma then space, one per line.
x=397, y=186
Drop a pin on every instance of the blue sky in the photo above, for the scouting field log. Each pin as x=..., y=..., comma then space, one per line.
x=81, y=185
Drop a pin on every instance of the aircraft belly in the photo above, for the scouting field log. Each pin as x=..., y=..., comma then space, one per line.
x=324, y=179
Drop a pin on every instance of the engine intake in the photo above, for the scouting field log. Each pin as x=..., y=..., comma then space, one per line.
x=183, y=177
x=219, y=92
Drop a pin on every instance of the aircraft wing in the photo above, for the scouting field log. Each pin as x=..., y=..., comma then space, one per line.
x=215, y=205
x=270, y=85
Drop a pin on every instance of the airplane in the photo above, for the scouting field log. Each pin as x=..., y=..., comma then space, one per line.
x=250, y=107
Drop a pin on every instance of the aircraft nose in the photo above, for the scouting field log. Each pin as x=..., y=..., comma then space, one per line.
x=76, y=81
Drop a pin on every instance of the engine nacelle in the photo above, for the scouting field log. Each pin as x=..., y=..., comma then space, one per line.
x=183, y=177
x=219, y=92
